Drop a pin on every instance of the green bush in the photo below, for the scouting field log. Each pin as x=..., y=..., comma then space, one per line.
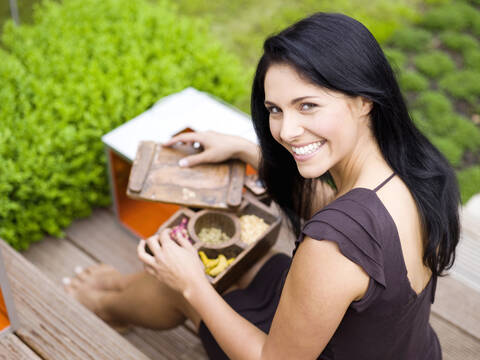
x=396, y=58
x=449, y=149
x=421, y=121
x=433, y=104
x=462, y=85
x=469, y=180
x=82, y=69
x=466, y=135
x=412, y=81
x=472, y=59
x=411, y=39
x=434, y=63
x=458, y=41
x=453, y=16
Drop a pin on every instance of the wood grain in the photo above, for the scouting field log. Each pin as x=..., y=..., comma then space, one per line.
x=141, y=165
x=11, y=347
x=455, y=343
x=458, y=304
x=52, y=324
x=162, y=179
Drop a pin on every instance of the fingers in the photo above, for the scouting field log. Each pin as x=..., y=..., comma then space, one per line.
x=196, y=159
x=187, y=137
x=183, y=240
x=165, y=238
x=147, y=259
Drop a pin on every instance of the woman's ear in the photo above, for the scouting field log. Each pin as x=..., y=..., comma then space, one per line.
x=365, y=106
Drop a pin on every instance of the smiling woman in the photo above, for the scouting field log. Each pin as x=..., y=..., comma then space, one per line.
x=362, y=277
x=318, y=129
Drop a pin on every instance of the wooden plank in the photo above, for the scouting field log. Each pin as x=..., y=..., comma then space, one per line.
x=456, y=344
x=172, y=344
x=11, y=347
x=52, y=324
x=49, y=256
x=141, y=164
x=458, y=304
x=56, y=258
x=101, y=237
x=105, y=240
x=163, y=180
x=193, y=353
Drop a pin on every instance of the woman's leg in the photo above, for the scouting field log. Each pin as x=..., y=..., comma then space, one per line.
x=139, y=299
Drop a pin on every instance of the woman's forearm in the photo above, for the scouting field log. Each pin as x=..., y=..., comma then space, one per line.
x=238, y=338
x=248, y=152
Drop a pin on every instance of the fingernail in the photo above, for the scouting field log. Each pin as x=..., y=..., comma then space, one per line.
x=66, y=281
x=78, y=269
x=183, y=162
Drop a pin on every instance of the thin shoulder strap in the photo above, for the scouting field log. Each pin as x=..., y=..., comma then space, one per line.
x=384, y=182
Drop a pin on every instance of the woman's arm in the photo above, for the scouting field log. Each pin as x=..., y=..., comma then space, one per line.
x=320, y=286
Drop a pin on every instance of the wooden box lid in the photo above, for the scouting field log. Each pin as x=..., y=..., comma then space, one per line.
x=156, y=176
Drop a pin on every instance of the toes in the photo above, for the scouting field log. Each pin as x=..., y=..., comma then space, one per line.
x=78, y=269
x=75, y=283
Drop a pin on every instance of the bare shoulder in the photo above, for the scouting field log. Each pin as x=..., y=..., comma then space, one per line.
x=320, y=286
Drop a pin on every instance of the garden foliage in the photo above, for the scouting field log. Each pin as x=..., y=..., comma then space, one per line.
x=444, y=100
x=82, y=69
x=87, y=66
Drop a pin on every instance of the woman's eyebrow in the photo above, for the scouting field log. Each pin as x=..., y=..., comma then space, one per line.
x=293, y=102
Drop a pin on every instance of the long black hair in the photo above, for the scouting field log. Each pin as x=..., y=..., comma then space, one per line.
x=339, y=53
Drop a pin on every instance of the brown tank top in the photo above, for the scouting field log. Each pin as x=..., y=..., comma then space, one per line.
x=391, y=321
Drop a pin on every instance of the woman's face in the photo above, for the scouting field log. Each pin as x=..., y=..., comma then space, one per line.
x=319, y=127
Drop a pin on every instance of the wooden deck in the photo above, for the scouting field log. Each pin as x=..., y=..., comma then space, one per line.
x=99, y=238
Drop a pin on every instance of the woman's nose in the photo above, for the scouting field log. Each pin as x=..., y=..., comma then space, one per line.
x=291, y=128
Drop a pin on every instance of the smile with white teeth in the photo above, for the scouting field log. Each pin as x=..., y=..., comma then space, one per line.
x=310, y=148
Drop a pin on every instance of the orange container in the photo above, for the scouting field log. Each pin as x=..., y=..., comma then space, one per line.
x=187, y=110
x=8, y=317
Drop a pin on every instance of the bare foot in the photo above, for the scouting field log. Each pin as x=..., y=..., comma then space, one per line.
x=94, y=299
x=102, y=277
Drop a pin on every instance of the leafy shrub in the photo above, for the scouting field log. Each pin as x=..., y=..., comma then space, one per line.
x=437, y=2
x=462, y=85
x=411, y=39
x=396, y=58
x=412, y=81
x=82, y=69
x=433, y=104
x=466, y=135
x=452, y=151
x=458, y=41
x=469, y=180
x=434, y=63
x=421, y=121
x=453, y=16
x=472, y=59
x=475, y=22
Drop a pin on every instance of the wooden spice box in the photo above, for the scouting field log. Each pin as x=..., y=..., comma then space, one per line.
x=245, y=254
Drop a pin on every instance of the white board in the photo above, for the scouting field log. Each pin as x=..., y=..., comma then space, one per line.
x=188, y=108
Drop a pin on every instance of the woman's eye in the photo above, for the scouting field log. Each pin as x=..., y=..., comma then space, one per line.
x=273, y=110
x=307, y=106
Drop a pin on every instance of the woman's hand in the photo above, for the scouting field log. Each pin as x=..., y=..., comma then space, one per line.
x=217, y=147
x=175, y=263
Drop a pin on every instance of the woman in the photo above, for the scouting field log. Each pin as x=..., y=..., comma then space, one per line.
x=326, y=108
